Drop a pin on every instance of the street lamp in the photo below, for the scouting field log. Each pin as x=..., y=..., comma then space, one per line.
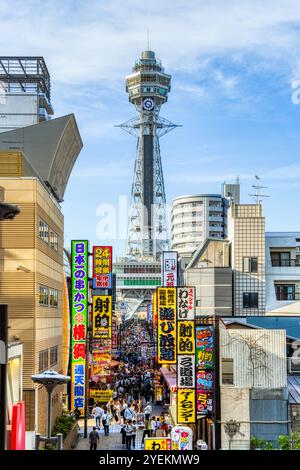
x=7, y=212
x=50, y=379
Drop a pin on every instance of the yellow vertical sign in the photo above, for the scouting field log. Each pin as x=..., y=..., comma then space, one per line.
x=102, y=316
x=186, y=337
x=166, y=325
x=186, y=413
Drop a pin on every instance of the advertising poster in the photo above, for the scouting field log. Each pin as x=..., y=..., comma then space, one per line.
x=158, y=443
x=205, y=402
x=205, y=347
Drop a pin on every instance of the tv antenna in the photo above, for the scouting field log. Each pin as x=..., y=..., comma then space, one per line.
x=258, y=195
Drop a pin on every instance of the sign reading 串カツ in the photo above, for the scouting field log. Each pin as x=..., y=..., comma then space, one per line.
x=102, y=316
x=169, y=268
x=102, y=267
x=79, y=309
x=166, y=326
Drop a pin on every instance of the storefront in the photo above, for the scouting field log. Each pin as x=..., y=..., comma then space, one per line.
x=169, y=383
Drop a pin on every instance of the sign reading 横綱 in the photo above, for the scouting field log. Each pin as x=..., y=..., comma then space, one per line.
x=205, y=375
x=102, y=267
x=166, y=325
x=102, y=316
x=169, y=268
x=79, y=310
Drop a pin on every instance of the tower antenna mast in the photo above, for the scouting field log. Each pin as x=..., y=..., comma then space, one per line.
x=258, y=195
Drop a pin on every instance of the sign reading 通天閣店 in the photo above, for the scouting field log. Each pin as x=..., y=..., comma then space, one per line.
x=102, y=316
x=79, y=310
x=102, y=267
x=166, y=325
x=169, y=268
x=186, y=413
x=158, y=443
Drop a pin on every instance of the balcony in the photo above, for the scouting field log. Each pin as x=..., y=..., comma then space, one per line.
x=285, y=262
x=292, y=296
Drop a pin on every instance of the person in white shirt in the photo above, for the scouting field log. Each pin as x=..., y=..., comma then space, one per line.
x=147, y=411
x=98, y=411
x=153, y=426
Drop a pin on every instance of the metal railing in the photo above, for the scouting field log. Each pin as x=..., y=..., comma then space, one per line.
x=285, y=262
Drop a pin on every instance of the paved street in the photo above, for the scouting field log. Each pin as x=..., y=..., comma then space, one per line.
x=111, y=442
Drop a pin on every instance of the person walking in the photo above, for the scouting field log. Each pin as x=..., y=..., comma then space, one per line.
x=147, y=431
x=133, y=432
x=129, y=432
x=98, y=412
x=106, y=419
x=93, y=438
x=147, y=411
x=128, y=414
x=153, y=426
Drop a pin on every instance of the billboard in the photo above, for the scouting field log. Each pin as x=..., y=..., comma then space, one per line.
x=186, y=413
x=79, y=313
x=186, y=337
x=205, y=347
x=102, y=316
x=102, y=267
x=186, y=371
x=158, y=443
x=166, y=326
x=169, y=268
x=186, y=303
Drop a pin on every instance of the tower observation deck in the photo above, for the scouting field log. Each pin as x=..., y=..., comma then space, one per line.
x=148, y=86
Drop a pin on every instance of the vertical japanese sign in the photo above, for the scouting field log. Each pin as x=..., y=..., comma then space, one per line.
x=186, y=406
x=102, y=316
x=169, y=268
x=186, y=381
x=204, y=369
x=102, y=267
x=166, y=326
x=79, y=312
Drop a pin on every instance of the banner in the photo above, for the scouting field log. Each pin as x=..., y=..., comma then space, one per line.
x=205, y=376
x=186, y=406
x=157, y=443
x=186, y=303
x=102, y=267
x=186, y=371
x=169, y=268
x=186, y=337
x=102, y=396
x=205, y=379
x=205, y=347
x=205, y=401
x=79, y=310
x=102, y=316
x=166, y=328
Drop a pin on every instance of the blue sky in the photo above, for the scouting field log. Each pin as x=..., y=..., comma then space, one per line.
x=232, y=63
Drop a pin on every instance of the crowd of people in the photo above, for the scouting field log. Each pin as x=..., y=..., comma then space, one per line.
x=131, y=406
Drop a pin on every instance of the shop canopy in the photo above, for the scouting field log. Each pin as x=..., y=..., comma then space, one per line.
x=169, y=376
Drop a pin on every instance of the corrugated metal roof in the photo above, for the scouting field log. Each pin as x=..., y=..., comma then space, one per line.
x=293, y=382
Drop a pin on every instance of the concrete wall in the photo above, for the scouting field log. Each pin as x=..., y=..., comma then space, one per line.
x=235, y=406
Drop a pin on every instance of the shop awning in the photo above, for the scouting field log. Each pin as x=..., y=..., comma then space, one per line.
x=169, y=376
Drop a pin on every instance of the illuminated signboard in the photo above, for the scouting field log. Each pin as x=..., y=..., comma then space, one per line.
x=186, y=303
x=102, y=316
x=186, y=371
x=204, y=347
x=102, y=267
x=79, y=310
x=166, y=327
x=186, y=337
x=186, y=413
x=158, y=443
x=169, y=268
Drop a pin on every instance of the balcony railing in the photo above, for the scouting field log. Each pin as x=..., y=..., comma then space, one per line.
x=287, y=296
x=285, y=262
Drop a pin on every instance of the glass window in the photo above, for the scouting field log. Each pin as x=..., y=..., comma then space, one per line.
x=281, y=258
x=285, y=291
x=227, y=371
x=53, y=356
x=43, y=360
x=43, y=231
x=53, y=240
x=43, y=295
x=250, y=264
x=250, y=299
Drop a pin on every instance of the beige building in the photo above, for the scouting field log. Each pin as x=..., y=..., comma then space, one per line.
x=246, y=233
x=31, y=252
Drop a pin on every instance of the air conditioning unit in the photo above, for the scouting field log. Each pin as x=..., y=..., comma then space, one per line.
x=298, y=249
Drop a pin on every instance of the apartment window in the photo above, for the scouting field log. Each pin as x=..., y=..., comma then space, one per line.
x=250, y=264
x=53, y=240
x=43, y=295
x=53, y=356
x=227, y=371
x=43, y=360
x=53, y=297
x=43, y=231
x=281, y=258
x=285, y=292
x=250, y=299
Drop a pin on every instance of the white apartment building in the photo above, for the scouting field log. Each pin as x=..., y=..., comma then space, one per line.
x=196, y=218
x=283, y=273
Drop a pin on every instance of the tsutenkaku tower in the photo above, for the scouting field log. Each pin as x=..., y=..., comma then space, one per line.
x=148, y=87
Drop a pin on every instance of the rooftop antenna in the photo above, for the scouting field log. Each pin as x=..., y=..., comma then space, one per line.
x=258, y=188
x=237, y=180
x=148, y=39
